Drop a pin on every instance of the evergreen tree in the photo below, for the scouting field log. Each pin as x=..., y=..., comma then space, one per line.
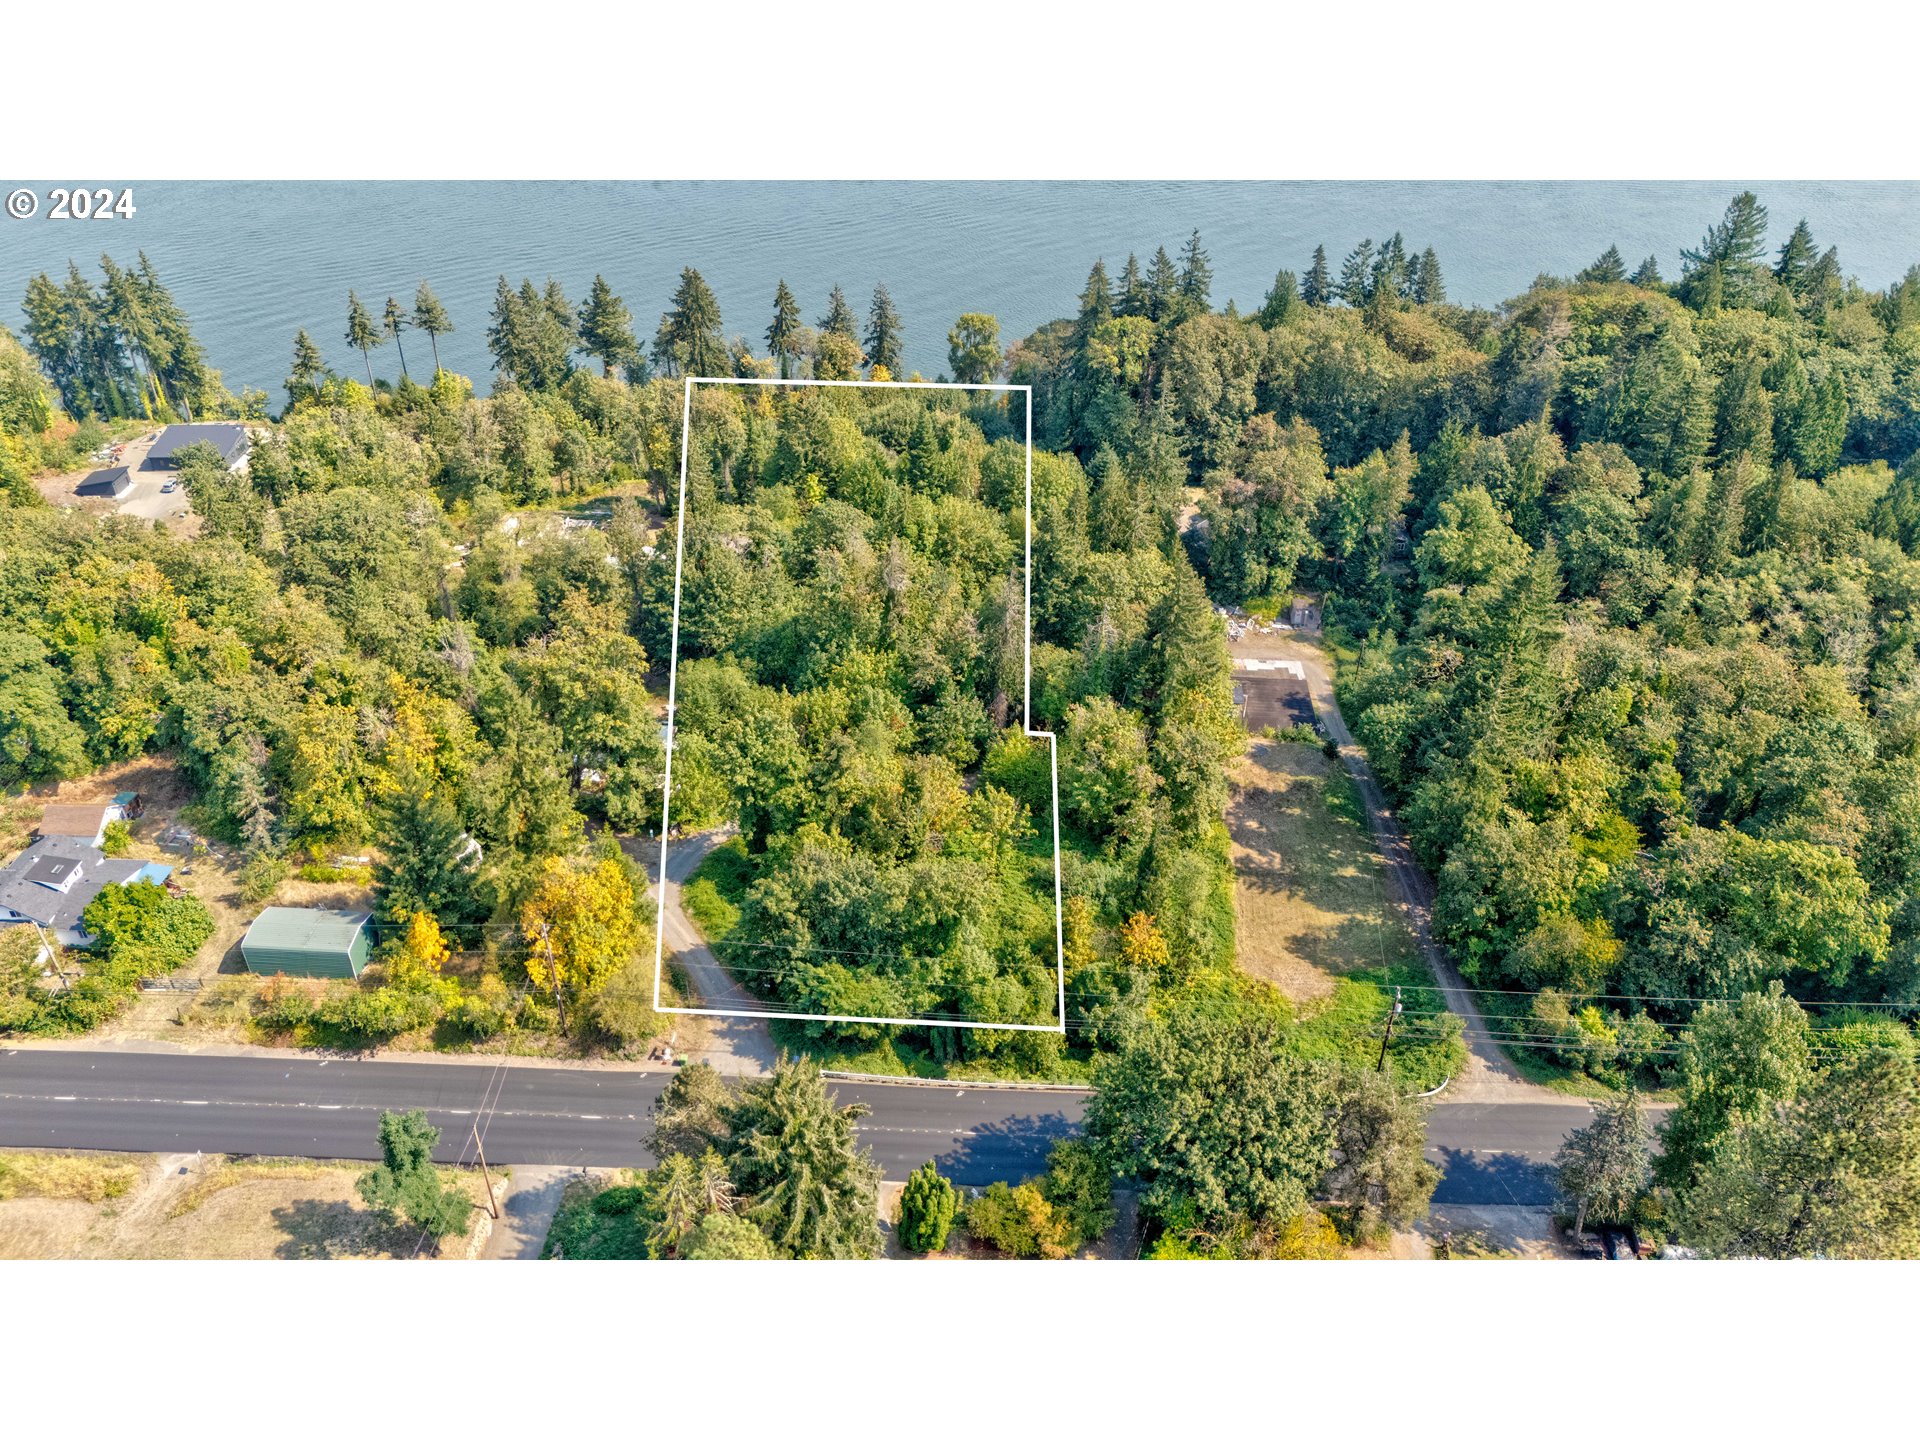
x=1429, y=286
x=124, y=308
x=839, y=317
x=1822, y=287
x=1834, y=1173
x=308, y=368
x=426, y=863
x=1392, y=274
x=431, y=319
x=1133, y=298
x=1609, y=269
x=1647, y=277
x=1163, y=285
x=1356, y=275
x=1725, y=265
x=784, y=332
x=1096, y=306
x=538, y=335
x=362, y=334
x=1797, y=258
x=884, y=349
x=1280, y=301
x=928, y=1204
x=1744, y=425
x=51, y=341
x=1196, y=274
x=503, y=330
x=393, y=321
x=797, y=1156
x=688, y=341
x=606, y=327
x=1317, y=288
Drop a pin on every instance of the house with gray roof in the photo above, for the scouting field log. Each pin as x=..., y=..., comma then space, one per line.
x=230, y=440
x=53, y=880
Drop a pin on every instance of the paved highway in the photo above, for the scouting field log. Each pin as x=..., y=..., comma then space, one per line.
x=539, y=1115
x=97, y=1100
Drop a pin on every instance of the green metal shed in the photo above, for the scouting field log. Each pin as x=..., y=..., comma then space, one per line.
x=285, y=940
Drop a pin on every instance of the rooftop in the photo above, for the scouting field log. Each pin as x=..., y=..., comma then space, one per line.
x=105, y=482
x=290, y=927
x=29, y=886
x=229, y=440
x=83, y=821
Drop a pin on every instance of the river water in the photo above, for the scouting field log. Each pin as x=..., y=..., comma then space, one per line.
x=253, y=262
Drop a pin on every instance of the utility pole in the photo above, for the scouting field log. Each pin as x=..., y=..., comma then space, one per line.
x=493, y=1205
x=54, y=955
x=553, y=972
x=1387, y=1039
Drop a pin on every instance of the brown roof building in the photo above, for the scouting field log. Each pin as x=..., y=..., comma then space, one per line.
x=78, y=822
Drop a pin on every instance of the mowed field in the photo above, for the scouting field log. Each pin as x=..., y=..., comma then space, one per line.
x=1312, y=902
x=57, y=1206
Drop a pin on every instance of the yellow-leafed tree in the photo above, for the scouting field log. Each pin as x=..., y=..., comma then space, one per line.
x=1141, y=942
x=579, y=925
x=421, y=953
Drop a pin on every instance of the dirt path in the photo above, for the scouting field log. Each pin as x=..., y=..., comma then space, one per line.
x=1489, y=1076
x=735, y=1045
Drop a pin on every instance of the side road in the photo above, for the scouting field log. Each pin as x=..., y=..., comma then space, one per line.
x=736, y=1046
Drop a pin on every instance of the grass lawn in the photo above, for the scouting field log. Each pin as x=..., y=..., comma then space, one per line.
x=1314, y=917
x=713, y=895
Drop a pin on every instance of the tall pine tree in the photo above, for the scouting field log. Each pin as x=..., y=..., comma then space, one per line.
x=1317, y=287
x=784, y=333
x=884, y=348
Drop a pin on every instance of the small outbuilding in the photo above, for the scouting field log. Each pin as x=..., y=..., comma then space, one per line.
x=290, y=940
x=113, y=483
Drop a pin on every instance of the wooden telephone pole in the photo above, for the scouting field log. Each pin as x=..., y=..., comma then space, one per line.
x=1387, y=1039
x=493, y=1205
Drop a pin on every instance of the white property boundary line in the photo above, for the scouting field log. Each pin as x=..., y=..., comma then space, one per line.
x=1026, y=722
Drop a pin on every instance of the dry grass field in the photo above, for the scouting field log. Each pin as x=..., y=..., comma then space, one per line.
x=1311, y=899
x=184, y=1207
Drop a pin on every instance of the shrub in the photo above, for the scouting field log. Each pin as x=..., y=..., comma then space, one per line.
x=284, y=1005
x=66, y=1177
x=375, y=1015
x=115, y=839
x=1079, y=1187
x=1308, y=1236
x=319, y=873
x=927, y=1207
x=139, y=930
x=1018, y=1220
x=261, y=876
x=621, y=1011
x=721, y=1236
x=484, y=1013
x=144, y=925
x=619, y=1200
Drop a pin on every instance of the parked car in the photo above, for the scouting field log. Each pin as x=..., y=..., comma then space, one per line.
x=169, y=487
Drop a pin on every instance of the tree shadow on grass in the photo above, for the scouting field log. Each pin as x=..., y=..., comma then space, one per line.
x=336, y=1230
x=1013, y=1150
